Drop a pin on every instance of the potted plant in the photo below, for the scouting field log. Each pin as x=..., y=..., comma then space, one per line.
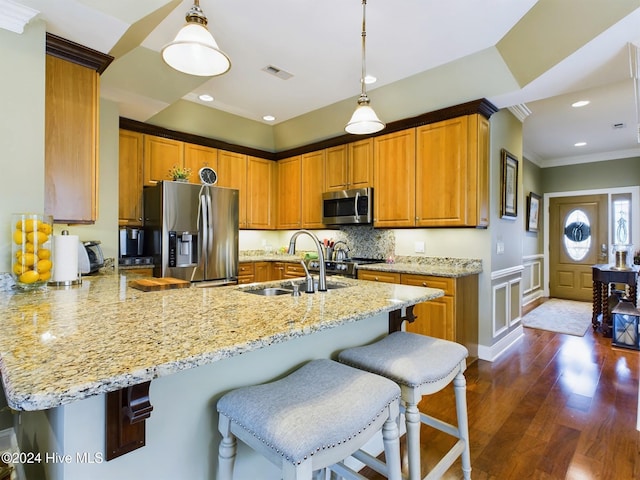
x=179, y=174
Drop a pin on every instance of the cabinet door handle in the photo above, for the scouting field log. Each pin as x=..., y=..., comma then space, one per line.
x=376, y=279
x=424, y=284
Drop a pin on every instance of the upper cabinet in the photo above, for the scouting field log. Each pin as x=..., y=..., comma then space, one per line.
x=452, y=173
x=312, y=187
x=394, y=166
x=290, y=193
x=261, y=193
x=197, y=157
x=436, y=175
x=232, y=173
x=130, y=180
x=160, y=156
x=349, y=166
x=71, y=130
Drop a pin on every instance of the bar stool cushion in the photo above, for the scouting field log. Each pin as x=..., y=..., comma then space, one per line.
x=317, y=407
x=407, y=358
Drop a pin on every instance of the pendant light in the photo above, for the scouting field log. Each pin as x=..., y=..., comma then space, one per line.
x=194, y=50
x=364, y=119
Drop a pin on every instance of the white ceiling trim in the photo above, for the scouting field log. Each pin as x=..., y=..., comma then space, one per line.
x=594, y=157
x=14, y=17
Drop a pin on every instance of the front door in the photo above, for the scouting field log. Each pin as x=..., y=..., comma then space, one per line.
x=577, y=241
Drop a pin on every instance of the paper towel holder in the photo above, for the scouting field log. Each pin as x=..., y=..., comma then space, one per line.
x=65, y=283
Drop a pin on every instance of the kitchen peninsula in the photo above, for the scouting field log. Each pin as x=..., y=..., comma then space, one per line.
x=63, y=350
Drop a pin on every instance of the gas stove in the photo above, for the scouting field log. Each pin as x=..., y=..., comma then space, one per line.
x=347, y=267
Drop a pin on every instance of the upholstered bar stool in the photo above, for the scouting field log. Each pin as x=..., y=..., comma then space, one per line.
x=421, y=365
x=311, y=419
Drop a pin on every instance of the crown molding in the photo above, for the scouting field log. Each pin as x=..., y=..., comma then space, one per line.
x=14, y=17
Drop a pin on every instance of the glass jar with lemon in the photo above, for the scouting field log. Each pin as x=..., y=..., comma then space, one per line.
x=31, y=249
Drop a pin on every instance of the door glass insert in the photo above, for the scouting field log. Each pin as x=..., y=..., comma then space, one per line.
x=621, y=215
x=577, y=234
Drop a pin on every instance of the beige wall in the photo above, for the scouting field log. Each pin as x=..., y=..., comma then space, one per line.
x=21, y=128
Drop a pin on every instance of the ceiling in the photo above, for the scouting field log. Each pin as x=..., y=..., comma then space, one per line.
x=535, y=56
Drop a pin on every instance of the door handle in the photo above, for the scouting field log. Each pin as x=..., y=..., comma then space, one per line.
x=603, y=251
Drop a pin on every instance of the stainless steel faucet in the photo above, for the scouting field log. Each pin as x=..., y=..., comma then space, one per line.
x=322, y=279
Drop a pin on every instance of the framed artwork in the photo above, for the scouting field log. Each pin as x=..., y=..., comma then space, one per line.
x=533, y=212
x=509, y=185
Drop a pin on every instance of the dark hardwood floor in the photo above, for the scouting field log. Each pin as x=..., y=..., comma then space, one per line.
x=553, y=407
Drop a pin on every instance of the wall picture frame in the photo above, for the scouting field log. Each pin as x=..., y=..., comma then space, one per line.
x=533, y=212
x=509, y=185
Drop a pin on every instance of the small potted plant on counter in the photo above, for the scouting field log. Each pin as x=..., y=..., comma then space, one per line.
x=179, y=174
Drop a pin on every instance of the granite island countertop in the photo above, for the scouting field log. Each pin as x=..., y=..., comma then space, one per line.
x=433, y=266
x=63, y=345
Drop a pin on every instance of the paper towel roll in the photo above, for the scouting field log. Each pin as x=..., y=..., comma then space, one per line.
x=65, y=258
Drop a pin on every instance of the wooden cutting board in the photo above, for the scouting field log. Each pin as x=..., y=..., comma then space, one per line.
x=154, y=284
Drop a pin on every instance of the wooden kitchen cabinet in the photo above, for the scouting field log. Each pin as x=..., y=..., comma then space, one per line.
x=131, y=146
x=394, y=167
x=452, y=173
x=246, y=272
x=451, y=317
x=349, y=166
x=197, y=157
x=71, y=141
x=261, y=193
x=161, y=155
x=312, y=177
x=261, y=272
x=373, y=276
x=232, y=173
x=290, y=193
x=277, y=270
x=293, y=270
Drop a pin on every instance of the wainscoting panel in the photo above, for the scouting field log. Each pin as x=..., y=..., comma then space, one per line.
x=532, y=278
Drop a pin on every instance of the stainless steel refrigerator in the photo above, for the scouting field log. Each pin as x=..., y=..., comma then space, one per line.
x=192, y=231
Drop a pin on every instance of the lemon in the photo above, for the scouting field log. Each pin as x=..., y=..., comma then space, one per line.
x=44, y=276
x=37, y=237
x=19, y=268
x=43, y=266
x=27, y=259
x=19, y=237
x=45, y=228
x=31, y=224
x=30, y=276
x=29, y=247
x=44, y=253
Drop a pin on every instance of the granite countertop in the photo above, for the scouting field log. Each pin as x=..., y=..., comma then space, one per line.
x=62, y=345
x=434, y=266
x=256, y=256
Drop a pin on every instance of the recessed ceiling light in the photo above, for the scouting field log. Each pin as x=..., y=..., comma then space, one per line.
x=580, y=144
x=205, y=98
x=369, y=79
x=580, y=103
x=269, y=118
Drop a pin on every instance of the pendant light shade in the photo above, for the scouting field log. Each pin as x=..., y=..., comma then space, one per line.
x=364, y=120
x=194, y=51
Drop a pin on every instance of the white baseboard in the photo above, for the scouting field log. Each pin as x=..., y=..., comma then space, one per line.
x=492, y=352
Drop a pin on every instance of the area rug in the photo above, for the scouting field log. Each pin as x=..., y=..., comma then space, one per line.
x=562, y=316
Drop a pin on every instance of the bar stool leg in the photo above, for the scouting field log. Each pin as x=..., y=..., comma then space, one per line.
x=226, y=450
x=391, y=441
x=412, y=419
x=460, y=389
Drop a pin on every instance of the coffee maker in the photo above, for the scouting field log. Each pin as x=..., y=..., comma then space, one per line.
x=131, y=242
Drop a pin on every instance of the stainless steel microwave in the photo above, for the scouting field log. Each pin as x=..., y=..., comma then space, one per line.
x=347, y=207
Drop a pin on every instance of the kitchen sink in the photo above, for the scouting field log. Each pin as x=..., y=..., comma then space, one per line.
x=269, y=291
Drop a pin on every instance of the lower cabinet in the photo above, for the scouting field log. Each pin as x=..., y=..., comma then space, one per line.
x=246, y=272
x=451, y=317
x=249, y=272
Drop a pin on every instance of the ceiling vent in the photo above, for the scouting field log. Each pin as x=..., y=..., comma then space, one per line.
x=618, y=126
x=277, y=72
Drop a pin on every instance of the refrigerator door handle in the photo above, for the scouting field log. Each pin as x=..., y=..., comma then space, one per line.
x=209, y=226
x=205, y=233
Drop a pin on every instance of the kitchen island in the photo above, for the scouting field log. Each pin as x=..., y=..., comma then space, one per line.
x=63, y=350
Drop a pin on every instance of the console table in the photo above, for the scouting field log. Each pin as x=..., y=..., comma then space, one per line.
x=603, y=276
